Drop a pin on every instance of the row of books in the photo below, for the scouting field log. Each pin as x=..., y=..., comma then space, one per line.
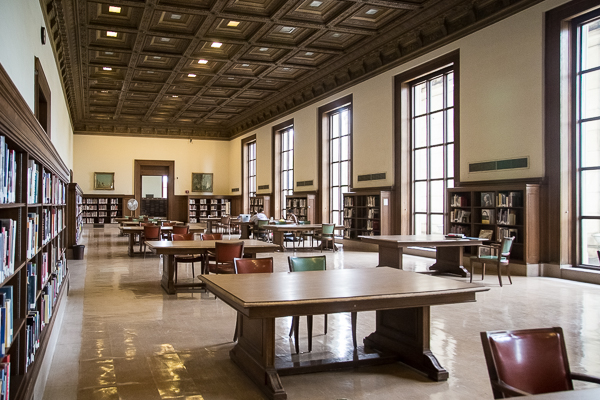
x=458, y=200
x=6, y=318
x=5, y=377
x=461, y=216
x=348, y=201
x=508, y=232
x=253, y=201
x=507, y=217
x=373, y=213
x=33, y=221
x=371, y=201
x=8, y=240
x=100, y=201
x=33, y=177
x=8, y=175
x=53, y=190
x=465, y=230
x=289, y=203
x=510, y=199
x=297, y=211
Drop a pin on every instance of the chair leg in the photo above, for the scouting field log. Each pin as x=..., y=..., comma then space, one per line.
x=325, y=323
x=292, y=326
x=482, y=271
x=353, y=315
x=144, y=250
x=500, y=274
x=237, y=327
x=508, y=273
x=193, y=273
x=175, y=268
x=472, y=270
x=297, y=334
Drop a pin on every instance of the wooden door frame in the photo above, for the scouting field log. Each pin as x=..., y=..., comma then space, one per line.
x=137, y=183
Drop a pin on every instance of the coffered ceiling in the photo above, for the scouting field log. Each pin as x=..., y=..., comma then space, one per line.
x=219, y=68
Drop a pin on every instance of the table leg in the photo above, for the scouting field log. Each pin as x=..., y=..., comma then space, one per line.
x=448, y=260
x=390, y=257
x=278, y=238
x=406, y=332
x=245, y=231
x=131, y=242
x=255, y=355
x=168, y=272
x=209, y=227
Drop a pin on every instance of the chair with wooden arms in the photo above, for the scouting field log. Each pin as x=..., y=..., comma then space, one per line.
x=151, y=232
x=529, y=361
x=497, y=253
x=315, y=263
x=225, y=224
x=225, y=252
x=188, y=258
x=250, y=266
x=210, y=255
x=260, y=232
x=326, y=235
x=307, y=234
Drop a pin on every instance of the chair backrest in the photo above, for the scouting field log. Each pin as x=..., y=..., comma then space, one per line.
x=316, y=263
x=147, y=224
x=167, y=223
x=506, y=245
x=303, y=222
x=253, y=265
x=180, y=229
x=328, y=229
x=280, y=222
x=151, y=232
x=261, y=223
x=225, y=252
x=225, y=220
x=182, y=236
x=531, y=360
x=211, y=236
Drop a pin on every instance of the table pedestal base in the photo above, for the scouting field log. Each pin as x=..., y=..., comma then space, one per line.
x=449, y=261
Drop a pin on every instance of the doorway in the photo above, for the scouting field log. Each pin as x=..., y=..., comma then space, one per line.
x=154, y=187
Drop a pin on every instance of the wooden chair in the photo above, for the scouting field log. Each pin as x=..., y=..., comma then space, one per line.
x=326, y=235
x=225, y=252
x=225, y=224
x=316, y=263
x=151, y=232
x=166, y=234
x=500, y=259
x=180, y=229
x=529, y=361
x=210, y=255
x=187, y=259
x=260, y=232
x=307, y=234
x=250, y=266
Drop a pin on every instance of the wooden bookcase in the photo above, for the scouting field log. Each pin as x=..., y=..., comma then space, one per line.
x=33, y=214
x=260, y=201
x=504, y=210
x=302, y=206
x=207, y=206
x=74, y=214
x=99, y=209
x=367, y=214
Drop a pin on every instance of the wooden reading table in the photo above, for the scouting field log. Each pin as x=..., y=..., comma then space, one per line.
x=402, y=300
x=448, y=251
x=183, y=247
x=279, y=230
x=134, y=231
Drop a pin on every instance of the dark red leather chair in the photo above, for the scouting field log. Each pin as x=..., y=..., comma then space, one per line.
x=225, y=252
x=529, y=361
x=188, y=258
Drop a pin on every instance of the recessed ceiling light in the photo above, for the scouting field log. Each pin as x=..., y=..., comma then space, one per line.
x=286, y=69
x=230, y=79
x=287, y=29
x=336, y=35
x=233, y=23
x=107, y=68
x=202, y=61
x=216, y=45
x=309, y=53
x=191, y=75
x=175, y=16
x=316, y=4
x=111, y=34
x=109, y=53
x=264, y=49
x=164, y=39
x=114, y=9
x=372, y=11
x=149, y=72
x=104, y=91
x=174, y=95
x=245, y=65
x=157, y=57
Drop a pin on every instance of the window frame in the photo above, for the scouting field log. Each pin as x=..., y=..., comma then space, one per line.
x=330, y=117
x=278, y=205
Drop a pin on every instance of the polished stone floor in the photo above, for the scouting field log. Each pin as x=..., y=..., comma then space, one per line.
x=123, y=338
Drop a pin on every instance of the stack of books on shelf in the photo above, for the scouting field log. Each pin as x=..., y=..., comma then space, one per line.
x=33, y=172
x=510, y=199
x=33, y=331
x=6, y=318
x=508, y=232
x=348, y=202
x=507, y=217
x=465, y=230
x=371, y=201
x=8, y=169
x=487, y=216
x=33, y=220
x=46, y=226
x=8, y=240
x=461, y=216
x=458, y=201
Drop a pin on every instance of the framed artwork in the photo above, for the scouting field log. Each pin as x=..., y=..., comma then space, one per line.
x=202, y=182
x=104, y=180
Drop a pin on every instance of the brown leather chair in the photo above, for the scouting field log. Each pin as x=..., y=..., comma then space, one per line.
x=497, y=253
x=529, y=361
x=251, y=266
x=166, y=234
x=225, y=224
x=151, y=232
x=225, y=252
x=191, y=258
x=180, y=229
x=211, y=236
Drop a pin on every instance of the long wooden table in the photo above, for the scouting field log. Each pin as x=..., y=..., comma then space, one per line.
x=279, y=230
x=209, y=222
x=135, y=231
x=402, y=300
x=448, y=252
x=244, y=228
x=182, y=247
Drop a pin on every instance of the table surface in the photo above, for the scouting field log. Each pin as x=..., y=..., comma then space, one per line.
x=339, y=285
x=138, y=228
x=289, y=227
x=191, y=245
x=421, y=240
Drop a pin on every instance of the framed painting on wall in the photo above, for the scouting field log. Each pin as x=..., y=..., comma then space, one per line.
x=104, y=181
x=202, y=182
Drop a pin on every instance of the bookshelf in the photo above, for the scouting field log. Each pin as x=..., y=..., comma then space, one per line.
x=301, y=205
x=260, y=201
x=101, y=209
x=207, y=206
x=366, y=214
x=74, y=214
x=511, y=210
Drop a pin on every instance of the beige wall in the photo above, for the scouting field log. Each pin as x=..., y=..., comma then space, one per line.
x=19, y=46
x=117, y=154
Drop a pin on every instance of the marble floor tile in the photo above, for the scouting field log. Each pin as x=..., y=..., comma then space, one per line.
x=124, y=338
